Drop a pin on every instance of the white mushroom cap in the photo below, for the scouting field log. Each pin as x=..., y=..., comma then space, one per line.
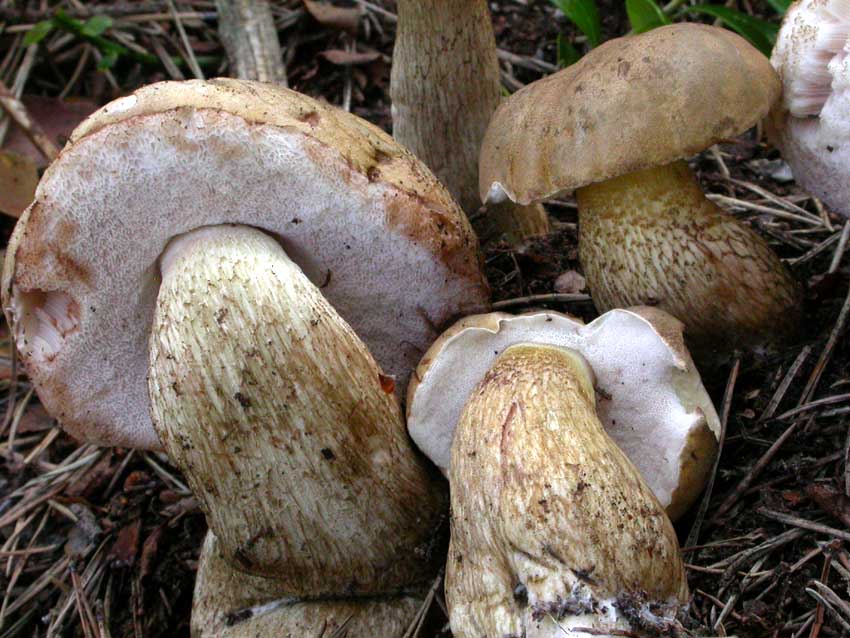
x=812, y=125
x=363, y=218
x=651, y=400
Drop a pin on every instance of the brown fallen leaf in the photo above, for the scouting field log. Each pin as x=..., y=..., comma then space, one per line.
x=831, y=501
x=57, y=118
x=123, y=552
x=149, y=552
x=18, y=179
x=342, y=18
x=348, y=58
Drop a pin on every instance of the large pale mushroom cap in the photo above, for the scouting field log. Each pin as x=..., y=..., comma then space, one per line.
x=632, y=103
x=651, y=400
x=365, y=220
x=811, y=126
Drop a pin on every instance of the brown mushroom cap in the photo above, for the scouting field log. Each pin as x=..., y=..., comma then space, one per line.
x=632, y=103
x=363, y=218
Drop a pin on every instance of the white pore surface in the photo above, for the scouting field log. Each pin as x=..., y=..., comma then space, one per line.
x=114, y=200
x=811, y=56
x=636, y=398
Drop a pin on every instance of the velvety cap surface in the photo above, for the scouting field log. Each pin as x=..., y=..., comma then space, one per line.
x=632, y=103
x=365, y=220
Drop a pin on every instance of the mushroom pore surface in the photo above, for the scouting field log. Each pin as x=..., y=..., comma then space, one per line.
x=811, y=125
x=553, y=528
x=279, y=418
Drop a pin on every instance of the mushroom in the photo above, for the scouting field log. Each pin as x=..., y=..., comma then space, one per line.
x=553, y=530
x=233, y=241
x=615, y=128
x=652, y=402
x=348, y=204
x=445, y=85
x=811, y=124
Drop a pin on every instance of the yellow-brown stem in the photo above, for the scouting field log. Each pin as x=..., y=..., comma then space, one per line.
x=445, y=86
x=540, y=494
x=276, y=413
x=651, y=237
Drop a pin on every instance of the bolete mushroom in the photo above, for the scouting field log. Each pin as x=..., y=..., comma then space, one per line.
x=553, y=530
x=362, y=217
x=248, y=225
x=445, y=85
x=651, y=400
x=811, y=124
x=615, y=128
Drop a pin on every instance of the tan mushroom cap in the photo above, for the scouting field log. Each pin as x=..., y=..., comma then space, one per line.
x=363, y=218
x=651, y=399
x=632, y=103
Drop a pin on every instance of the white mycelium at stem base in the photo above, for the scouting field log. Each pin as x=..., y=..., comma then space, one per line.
x=553, y=528
x=275, y=412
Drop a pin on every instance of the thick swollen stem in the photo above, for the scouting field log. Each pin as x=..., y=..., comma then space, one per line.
x=232, y=604
x=445, y=86
x=285, y=428
x=552, y=526
x=651, y=237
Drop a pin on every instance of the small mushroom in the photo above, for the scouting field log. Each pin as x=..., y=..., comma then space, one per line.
x=553, y=530
x=197, y=270
x=615, y=128
x=651, y=400
x=811, y=124
x=445, y=86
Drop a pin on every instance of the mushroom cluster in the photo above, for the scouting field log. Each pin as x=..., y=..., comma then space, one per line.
x=648, y=233
x=245, y=278
x=197, y=272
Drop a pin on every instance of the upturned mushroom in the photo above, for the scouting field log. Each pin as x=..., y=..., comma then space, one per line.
x=249, y=225
x=811, y=124
x=445, y=86
x=651, y=400
x=615, y=128
x=553, y=530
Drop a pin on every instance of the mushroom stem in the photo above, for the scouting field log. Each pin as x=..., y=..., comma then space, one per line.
x=729, y=286
x=552, y=527
x=288, y=434
x=445, y=86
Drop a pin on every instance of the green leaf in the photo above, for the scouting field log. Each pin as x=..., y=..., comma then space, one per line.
x=760, y=33
x=781, y=6
x=38, y=32
x=645, y=15
x=107, y=60
x=567, y=53
x=96, y=25
x=586, y=17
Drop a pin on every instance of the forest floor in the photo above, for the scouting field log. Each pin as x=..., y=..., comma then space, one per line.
x=104, y=542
